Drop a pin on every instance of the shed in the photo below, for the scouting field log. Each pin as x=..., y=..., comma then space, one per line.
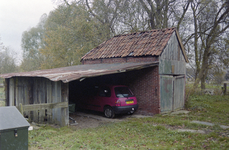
x=44, y=95
x=160, y=88
x=13, y=129
x=151, y=63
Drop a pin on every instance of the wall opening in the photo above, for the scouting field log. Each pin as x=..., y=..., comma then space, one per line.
x=143, y=83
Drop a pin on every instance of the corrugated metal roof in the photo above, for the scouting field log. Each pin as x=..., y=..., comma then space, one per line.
x=148, y=43
x=67, y=74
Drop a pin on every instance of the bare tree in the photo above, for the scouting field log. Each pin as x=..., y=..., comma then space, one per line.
x=210, y=22
x=159, y=12
x=107, y=13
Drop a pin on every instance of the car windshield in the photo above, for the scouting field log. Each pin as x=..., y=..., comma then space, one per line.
x=123, y=92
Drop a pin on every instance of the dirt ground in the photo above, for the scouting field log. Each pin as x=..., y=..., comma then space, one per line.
x=91, y=119
x=84, y=122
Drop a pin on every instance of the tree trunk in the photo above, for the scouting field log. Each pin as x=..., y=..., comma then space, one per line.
x=203, y=68
x=203, y=83
x=196, y=42
x=203, y=80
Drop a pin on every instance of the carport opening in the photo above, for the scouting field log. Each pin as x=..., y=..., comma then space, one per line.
x=80, y=89
x=140, y=82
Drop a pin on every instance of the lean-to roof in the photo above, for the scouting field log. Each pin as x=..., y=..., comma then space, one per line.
x=67, y=74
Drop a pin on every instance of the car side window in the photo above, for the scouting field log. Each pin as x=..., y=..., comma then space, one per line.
x=104, y=92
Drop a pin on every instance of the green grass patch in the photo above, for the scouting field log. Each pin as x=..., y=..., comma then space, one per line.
x=212, y=108
x=2, y=103
x=198, y=91
x=2, y=93
x=157, y=132
x=131, y=134
x=2, y=96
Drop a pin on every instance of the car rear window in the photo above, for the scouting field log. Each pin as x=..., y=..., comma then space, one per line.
x=123, y=92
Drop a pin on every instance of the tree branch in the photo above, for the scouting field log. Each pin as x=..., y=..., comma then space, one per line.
x=145, y=7
x=93, y=14
x=65, y=1
x=182, y=17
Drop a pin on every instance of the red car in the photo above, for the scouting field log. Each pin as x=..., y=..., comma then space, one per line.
x=111, y=99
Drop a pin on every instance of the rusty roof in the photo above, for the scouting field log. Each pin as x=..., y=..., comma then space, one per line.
x=67, y=74
x=147, y=43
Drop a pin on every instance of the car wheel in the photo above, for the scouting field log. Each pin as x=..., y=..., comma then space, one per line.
x=109, y=112
x=130, y=113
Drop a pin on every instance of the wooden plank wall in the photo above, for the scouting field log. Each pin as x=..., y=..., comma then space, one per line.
x=172, y=92
x=166, y=93
x=172, y=59
x=172, y=66
x=179, y=92
x=29, y=91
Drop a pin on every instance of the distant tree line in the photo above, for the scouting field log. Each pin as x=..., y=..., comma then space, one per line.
x=77, y=26
x=8, y=62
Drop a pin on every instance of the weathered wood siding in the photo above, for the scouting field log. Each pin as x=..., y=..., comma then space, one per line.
x=28, y=91
x=179, y=92
x=172, y=89
x=166, y=90
x=172, y=69
x=171, y=61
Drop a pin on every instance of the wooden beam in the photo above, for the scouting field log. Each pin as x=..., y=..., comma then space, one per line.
x=42, y=106
x=224, y=88
x=182, y=46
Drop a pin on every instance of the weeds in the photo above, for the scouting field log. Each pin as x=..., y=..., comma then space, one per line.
x=157, y=132
x=212, y=108
x=125, y=135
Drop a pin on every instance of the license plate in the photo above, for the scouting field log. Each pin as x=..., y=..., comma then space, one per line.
x=129, y=102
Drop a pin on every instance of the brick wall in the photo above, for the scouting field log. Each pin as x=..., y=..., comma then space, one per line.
x=144, y=83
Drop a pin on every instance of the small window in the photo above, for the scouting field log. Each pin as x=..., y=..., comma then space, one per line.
x=123, y=92
x=104, y=92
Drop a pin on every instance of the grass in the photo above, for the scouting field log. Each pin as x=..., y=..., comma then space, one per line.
x=2, y=96
x=2, y=103
x=158, y=132
x=212, y=108
x=125, y=135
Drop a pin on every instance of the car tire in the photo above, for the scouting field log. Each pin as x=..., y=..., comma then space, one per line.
x=129, y=113
x=109, y=112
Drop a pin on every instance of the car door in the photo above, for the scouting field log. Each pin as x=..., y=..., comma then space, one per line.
x=103, y=98
x=90, y=98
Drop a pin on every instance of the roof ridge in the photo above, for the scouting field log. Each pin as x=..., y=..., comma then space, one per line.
x=143, y=32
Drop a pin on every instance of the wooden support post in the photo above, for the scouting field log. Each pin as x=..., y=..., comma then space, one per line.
x=224, y=88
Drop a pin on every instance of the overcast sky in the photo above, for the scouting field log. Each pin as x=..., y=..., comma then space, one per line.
x=17, y=16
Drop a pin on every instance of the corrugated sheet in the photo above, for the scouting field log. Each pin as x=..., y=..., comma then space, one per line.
x=67, y=74
x=148, y=43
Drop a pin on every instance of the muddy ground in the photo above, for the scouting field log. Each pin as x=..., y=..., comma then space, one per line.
x=91, y=119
